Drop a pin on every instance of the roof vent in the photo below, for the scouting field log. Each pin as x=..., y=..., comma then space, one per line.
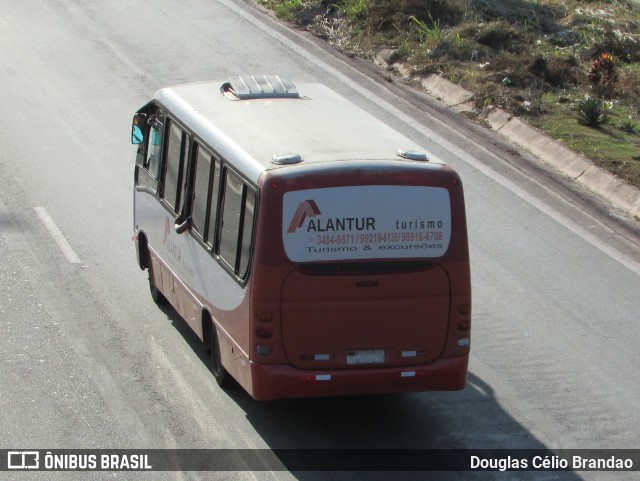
x=413, y=155
x=259, y=87
x=286, y=159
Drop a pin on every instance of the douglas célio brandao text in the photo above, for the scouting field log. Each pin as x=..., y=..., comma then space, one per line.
x=551, y=463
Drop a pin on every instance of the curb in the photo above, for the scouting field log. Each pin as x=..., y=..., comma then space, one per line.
x=574, y=166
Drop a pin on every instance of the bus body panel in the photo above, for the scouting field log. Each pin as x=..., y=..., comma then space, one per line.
x=186, y=256
x=331, y=321
x=187, y=275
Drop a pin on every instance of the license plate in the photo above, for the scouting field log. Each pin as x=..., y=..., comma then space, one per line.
x=373, y=356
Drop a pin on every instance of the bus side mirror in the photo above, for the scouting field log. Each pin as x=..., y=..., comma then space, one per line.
x=181, y=224
x=137, y=133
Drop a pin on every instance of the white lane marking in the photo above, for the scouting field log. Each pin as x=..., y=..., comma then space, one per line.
x=614, y=254
x=62, y=242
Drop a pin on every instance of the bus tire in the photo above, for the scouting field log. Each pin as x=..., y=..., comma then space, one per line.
x=156, y=295
x=223, y=378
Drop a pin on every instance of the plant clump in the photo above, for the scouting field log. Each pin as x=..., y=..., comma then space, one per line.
x=603, y=71
x=591, y=112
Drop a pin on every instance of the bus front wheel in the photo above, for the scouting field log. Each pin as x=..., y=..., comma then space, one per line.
x=219, y=372
x=156, y=295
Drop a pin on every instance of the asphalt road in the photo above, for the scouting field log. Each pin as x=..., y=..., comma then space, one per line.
x=89, y=361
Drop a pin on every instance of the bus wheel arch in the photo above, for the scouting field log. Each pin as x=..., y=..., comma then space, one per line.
x=207, y=327
x=144, y=258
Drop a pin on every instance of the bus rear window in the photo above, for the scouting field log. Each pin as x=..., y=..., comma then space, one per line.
x=366, y=222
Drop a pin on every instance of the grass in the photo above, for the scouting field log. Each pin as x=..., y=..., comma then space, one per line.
x=613, y=145
x=352, y=8
x=431, y=34
x=549, y=51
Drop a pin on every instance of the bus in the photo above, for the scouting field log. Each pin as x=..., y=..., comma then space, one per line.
x=315, y=250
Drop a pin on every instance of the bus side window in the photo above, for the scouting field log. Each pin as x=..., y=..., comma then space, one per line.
x=238, y=209
x=148, y=157
x=175, y=160
x=203, y=200
x=154, y=146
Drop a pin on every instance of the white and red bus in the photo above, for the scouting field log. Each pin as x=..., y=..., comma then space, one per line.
x=315, y=250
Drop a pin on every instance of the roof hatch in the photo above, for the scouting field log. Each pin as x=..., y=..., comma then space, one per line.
x=259, y=87
x=286, y=159
x=412, y=155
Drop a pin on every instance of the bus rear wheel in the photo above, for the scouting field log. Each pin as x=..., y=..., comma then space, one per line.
x=223, y=378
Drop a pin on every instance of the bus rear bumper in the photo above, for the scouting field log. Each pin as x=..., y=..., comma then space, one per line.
x=278, y=381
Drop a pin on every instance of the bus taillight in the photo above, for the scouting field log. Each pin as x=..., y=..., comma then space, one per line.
x=263, y=333
x=463, y=325
x=263, y=316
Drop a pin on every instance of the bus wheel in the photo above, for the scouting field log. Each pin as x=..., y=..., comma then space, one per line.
x=156, y=295
x=219, y=372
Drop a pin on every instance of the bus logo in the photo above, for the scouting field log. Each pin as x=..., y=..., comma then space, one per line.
x=167, y=231
x=306, y=208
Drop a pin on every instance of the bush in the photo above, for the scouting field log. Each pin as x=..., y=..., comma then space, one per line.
x=592, y=113
x=603, y=70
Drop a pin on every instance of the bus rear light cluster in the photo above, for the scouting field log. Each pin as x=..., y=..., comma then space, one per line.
x=263, y=332
x=463, y=342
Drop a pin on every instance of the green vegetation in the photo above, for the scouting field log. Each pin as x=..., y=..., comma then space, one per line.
x=592, y=113
x=570, y=68
x=432, y=33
